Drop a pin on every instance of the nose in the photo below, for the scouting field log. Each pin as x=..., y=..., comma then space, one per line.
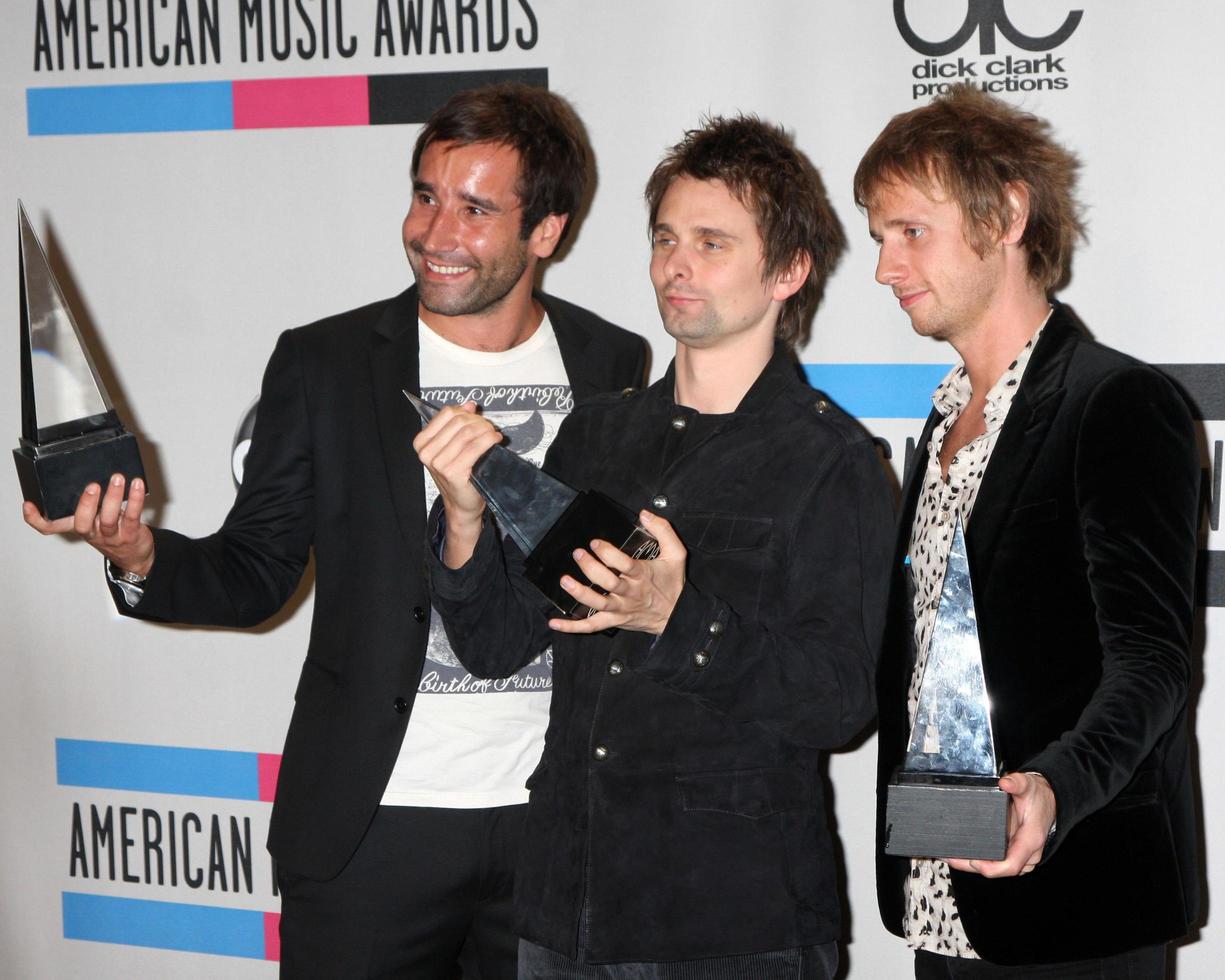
x=890, y=269
x=433, y=228
x=677, y=264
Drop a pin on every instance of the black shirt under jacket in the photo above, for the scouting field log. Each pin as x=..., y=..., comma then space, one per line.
x=679, y=798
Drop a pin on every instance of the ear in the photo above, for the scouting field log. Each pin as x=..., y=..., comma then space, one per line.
x=1017, y=194
x=544, y=237
x=789, y=281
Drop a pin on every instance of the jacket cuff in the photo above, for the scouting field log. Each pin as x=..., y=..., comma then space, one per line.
x=459, y=584
x=689, y=645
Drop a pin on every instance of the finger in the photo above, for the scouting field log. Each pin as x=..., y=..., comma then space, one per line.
x=584, y=594
x=87, y=511
x=612, y=556
x=597, y=623
x=455, y=437
x=597, y=572
x=444, y=422
x=112, y=501
x=961, y=864
x=130, y=517
x=669, y=544
x=32, y=516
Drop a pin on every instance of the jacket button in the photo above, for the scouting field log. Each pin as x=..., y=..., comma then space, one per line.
x=626, y=392
x=600, y=753
x=700, y=659
x=679, y=423
x=822, y=406
x=418, y=614
x=715, y=628
x=659, y=501
x=616, y=667
x=400, y=705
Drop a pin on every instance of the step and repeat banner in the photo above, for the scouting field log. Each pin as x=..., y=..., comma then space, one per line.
x=207, y=173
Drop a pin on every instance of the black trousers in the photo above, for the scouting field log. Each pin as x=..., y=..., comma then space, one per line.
x=424, y=886
x=809, y=963
x=1147, y=963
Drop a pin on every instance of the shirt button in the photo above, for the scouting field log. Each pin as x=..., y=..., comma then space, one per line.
x=616, y=667
x=600, y=753
x=400, y=705
x=659, y=501
x=701, y=659
x=715, y=628
x=679, y=423
x=418, y=614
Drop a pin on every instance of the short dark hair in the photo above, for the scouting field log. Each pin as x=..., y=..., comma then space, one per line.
x=779, y=186
x=554, y=155
x=971, y=146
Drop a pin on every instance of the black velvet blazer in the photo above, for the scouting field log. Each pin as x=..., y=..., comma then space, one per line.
x=1082, y=549
x=678, y=811
x=332, y=472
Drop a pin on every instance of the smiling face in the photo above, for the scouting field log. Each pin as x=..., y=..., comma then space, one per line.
x=944, y=286
x=707, y=266
x=462, y=232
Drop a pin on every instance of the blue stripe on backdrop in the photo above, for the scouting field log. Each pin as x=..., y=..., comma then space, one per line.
x=164, y=925
x=879, y=391
x=168, y=107
x=157, y=769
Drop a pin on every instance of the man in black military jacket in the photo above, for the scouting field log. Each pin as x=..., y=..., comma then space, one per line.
x=393, y=889
x=1074, y=470
x=678, y=814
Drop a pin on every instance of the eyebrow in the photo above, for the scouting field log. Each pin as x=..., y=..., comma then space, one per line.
x=701, y=231
x=875, y=229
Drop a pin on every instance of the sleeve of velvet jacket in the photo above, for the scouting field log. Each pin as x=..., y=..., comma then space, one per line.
x=806, y=673
x=246, y=571
x=1137, y=485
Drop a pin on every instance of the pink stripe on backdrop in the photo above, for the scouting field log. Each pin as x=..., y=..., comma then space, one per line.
x=272, y=936
x=269, y=769
x=275, y=103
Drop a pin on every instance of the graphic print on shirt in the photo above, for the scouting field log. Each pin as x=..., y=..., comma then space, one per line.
x=529, y=417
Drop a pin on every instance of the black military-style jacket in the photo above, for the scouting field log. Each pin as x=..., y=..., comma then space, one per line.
x=678, y=811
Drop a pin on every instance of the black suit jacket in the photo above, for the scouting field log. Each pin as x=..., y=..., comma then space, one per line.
x=331, y=469
x=1082, y=547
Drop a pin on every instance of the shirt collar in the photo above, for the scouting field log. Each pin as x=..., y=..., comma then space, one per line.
x=952, y=395
x=780, y=371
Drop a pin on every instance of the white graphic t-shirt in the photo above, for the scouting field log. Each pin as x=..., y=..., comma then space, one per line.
x=474, y=742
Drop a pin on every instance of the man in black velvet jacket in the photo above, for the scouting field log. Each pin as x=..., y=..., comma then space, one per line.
x=678, y=812
x=373, y=884
x=1075, y=473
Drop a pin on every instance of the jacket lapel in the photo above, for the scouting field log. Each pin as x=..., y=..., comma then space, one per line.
x=573, y=340
x=394, y=365
x=1029, y=418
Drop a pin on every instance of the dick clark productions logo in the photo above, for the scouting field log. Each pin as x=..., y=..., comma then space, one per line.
x=1006, y=74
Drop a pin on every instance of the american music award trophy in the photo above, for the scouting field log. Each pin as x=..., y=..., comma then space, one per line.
x=548, y=519
x=945, y=801
x=70, y=433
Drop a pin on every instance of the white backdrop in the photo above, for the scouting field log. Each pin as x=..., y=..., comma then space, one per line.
x=186, y=252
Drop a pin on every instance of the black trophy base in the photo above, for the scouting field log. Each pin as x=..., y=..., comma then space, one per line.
x=954, y=817
x=55, y=474
x=590, y=515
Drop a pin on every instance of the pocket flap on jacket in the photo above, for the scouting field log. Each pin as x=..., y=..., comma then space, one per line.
x=726, y=532
x=752, y=793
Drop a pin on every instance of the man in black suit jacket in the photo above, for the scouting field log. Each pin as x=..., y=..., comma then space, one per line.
x=1075, y=473
x=367, y=889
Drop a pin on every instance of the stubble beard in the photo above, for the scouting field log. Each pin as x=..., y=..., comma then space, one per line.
x=490, y=284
